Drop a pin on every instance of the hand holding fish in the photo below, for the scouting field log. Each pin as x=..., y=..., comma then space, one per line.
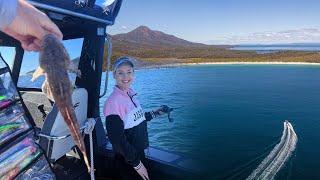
x=30, y=25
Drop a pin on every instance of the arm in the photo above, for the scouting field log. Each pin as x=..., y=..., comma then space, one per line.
x=25, y=23
x=164, y=109
x=115, y=128
x=149, y=115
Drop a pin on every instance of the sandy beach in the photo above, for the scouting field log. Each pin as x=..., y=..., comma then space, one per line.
x=293, y=63
x=224, y=63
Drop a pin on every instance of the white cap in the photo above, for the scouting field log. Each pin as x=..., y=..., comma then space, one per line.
x=121, y=60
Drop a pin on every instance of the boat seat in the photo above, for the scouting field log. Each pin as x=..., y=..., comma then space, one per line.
x=38, y=105
x=54, y=126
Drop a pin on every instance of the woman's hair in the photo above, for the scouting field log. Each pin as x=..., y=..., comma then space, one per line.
x=123, y=60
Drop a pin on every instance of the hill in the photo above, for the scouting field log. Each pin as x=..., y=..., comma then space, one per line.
x=147, y=37
x=153, y=47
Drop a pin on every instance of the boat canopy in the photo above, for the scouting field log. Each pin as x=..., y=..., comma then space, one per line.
x=74, y=18
x=105, y=14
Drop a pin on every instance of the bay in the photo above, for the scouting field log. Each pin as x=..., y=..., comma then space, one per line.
x=229, y=115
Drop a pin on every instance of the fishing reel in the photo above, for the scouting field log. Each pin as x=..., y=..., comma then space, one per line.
x=167, y=109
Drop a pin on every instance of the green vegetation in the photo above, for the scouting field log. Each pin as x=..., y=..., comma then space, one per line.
x=153, y=56
x=155, y=48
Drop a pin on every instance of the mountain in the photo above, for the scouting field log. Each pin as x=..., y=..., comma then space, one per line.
x=151, y=47
x=145, y=36
x=144, y=43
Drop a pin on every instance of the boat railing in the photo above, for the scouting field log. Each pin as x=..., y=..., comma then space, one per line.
x=52, y=137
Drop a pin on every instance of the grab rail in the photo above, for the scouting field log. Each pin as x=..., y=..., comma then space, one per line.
x=50, y=137
x=109, y=41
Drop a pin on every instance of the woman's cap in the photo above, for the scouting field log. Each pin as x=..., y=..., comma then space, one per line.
x=122, y=60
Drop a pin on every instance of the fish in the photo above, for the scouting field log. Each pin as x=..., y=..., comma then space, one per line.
x=54, y=60
x=72, y=68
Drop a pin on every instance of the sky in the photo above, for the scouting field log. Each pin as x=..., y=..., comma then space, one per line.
x=31, y=59
x=213, y=22
x=224, y=21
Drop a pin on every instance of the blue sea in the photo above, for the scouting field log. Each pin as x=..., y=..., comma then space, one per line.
x=229, y=117
x=272, y=48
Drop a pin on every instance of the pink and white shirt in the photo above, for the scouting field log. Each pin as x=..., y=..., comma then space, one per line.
x=126, y=105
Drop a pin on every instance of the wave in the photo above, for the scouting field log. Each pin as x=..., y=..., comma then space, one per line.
x=269, y=167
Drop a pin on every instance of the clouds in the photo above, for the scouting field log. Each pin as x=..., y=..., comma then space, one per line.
x=288, y=36
x=124, y=28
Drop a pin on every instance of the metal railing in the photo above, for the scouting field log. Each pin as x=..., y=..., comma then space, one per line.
x=109, y=42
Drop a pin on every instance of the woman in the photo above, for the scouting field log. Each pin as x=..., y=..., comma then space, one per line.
x=126, y=122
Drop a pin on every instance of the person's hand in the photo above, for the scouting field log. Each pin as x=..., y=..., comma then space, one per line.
x=164, y=109
x=30, y=26
x=142, y=171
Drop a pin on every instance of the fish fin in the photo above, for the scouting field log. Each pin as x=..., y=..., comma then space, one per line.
x=38, y=72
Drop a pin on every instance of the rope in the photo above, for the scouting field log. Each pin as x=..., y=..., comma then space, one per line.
x=88, y=130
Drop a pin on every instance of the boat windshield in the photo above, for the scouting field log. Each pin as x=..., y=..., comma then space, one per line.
x=107, y=5
x=8, y=54
x=30, y=63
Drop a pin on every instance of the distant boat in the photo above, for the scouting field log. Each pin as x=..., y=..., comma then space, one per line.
x=270, y=166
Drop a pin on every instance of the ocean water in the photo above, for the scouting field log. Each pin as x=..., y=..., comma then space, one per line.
x=272, y=48
x=229, y=117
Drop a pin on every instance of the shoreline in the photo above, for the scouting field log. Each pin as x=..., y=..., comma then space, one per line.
x=239, y=62
x=225, y=63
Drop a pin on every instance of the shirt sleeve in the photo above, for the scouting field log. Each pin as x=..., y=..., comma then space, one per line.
x=8, y=10
x=115, y=129
x=111, y=107
x=148, y=116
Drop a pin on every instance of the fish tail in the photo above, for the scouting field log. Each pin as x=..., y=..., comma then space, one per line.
x=70, y=118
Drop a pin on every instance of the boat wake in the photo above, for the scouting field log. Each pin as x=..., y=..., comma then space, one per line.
x=269, y=167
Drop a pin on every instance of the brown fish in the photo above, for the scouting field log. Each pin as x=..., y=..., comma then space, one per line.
x=73, y=68
x=54, y=60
